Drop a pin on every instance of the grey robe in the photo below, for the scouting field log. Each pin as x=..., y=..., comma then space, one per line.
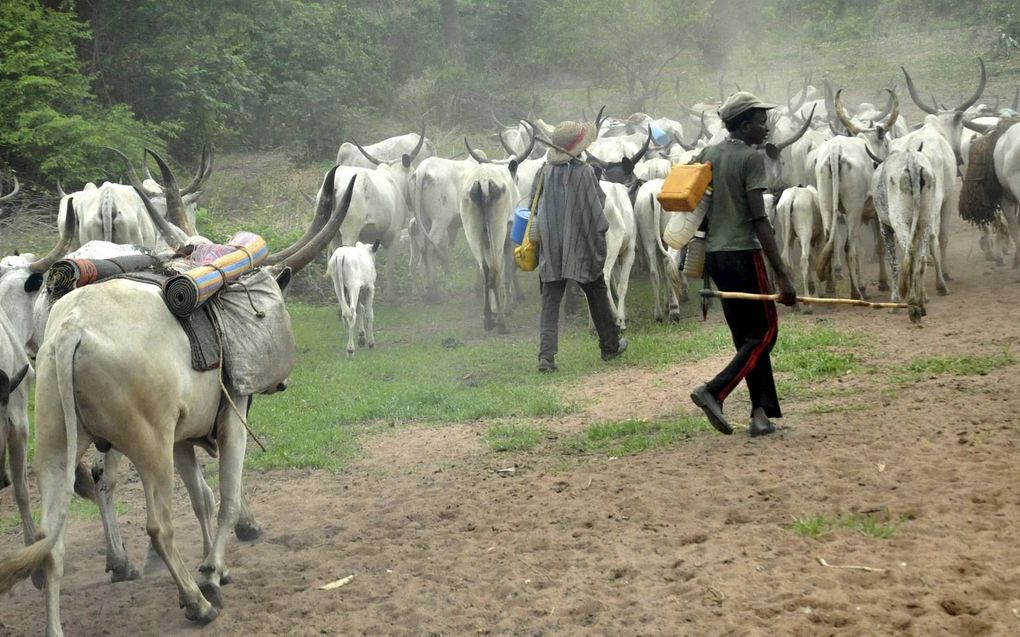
x=572, y=224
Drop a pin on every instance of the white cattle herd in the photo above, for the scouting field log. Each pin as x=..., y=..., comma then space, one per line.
x=831, y=169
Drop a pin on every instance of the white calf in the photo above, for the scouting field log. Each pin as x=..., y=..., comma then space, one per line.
x=352, y=269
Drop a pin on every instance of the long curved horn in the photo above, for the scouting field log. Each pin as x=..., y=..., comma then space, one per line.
x=306, y=253
x=498, y=123
x=174, y=203
x=204, y=170
x=679, y=142
x=506, y=147
x=874, y=158
x=888, y=105
x=60, y=190
x=984, y=129
x=323, y=208
x=421, y=141
x=531, y=145
x=173, y=235
x=894, y=110
x=471, y=151
x=17, y=187
x=598, y=120
x=63, y=243
x=365, y=153
x=800, y=133
x=917, y=98
x=980, y=89
x=644, y=149
x=841, y=114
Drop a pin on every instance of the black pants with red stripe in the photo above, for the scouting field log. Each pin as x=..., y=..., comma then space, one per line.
x=753, y=324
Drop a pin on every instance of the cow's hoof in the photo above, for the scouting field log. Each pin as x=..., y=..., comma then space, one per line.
x=212, y=593
x=123, y=573
x=247, y=532
x=883, y=286
x=350, y=354
x=942, y=291
x=371, y=345
x=226, y=578
x=5, y=480
x=361, y=340
x=916, y=313
x=488, y=324
x=674, y=316
x=200, y=612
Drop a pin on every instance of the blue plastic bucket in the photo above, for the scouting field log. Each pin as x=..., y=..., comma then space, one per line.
x=520, y=225
x=660, y=136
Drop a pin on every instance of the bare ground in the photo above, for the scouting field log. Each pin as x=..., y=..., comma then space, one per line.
x=696, y=539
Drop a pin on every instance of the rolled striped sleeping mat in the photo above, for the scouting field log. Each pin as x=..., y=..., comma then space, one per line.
x=68, y=274
x=216, y=266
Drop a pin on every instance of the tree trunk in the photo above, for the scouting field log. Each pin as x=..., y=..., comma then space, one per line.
x=452, y=34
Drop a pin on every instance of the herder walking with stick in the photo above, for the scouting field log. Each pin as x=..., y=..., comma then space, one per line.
x=739, y=232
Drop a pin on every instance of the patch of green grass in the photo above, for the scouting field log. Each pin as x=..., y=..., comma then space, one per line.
x=80, y=509
x=814, y=351
x=628, y=437
x=866, y=524
x=511, y=437
x=959, y=365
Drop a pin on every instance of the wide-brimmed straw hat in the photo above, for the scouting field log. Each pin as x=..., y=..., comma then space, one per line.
x=568, y=140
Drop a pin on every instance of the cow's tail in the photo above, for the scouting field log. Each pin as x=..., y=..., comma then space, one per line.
x=107, y=212
x=825, y=258
x=22, y=563
x=918, y=232
x=481, y=199
x=338, y=285
x=670, y=268
x=784, y=217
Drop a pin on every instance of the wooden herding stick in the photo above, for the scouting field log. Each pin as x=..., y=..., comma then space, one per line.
x=745, y=296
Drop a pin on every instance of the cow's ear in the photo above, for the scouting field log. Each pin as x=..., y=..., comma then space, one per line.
x=405, y=159
x=772, y=151
x=513, y=168
x=283, y=278
x=33, y=282
x=5, y=388
x=881, y=133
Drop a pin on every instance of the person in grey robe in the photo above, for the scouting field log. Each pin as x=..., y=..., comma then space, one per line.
x=572, y=229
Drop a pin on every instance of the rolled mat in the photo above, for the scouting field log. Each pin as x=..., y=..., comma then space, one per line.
x=68, y=274
x=217, y=265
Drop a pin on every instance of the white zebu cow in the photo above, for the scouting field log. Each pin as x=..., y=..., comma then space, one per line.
x=115, y=212
x=487, y=196
x=115, y=367
x=908, y=200
x=352, y=269
x=435, y=198
x=621, y=244
x=799, y=220
x=932, y=139
x=650, y=220
x=843, y=173
x=378, y=210
x=392, y=149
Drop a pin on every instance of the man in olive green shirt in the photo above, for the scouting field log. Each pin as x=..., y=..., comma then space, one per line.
x=739, y=232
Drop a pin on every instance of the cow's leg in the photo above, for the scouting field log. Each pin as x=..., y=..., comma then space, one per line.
x=805, y=272
x=889, y=240
x=202, y=502
x=622, y=283
x=247, y=528
x=18, y=449
x=607, y=274
x=368, y=315
x=940, y=267
x=881, y=252
x=351, y=321
x=155, y=467
x=950, y=206
x=488, y=318
x=105, y=473
x=1011, y=211
x=232, y=445
x=857, y=289
x=5, y=480
x=494, y=286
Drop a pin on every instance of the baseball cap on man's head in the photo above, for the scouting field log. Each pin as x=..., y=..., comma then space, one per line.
x=741, y=102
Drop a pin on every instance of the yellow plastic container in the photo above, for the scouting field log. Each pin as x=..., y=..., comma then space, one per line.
x=684, y=187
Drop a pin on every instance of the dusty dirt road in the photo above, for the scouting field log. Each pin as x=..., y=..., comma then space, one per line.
x=696, y=539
